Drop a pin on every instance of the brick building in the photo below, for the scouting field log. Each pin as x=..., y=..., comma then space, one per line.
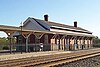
x=52, y=36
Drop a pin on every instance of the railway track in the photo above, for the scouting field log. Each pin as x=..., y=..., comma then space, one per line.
x=49, y=60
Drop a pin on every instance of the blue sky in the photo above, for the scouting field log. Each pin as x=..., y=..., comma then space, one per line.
x=85, y=12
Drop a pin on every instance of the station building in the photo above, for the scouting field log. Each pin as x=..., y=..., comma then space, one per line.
x=52, y=36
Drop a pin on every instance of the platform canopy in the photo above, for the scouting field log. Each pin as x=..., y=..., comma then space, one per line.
x=13, y=29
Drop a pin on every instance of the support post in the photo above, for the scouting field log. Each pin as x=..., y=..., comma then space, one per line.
x=9, y=33
x=83, y=45
x=63, y=42
x=88, y=43
x=69, y=44
x=54, y=37
x=75, y=43
x=26, y=44
x=38, y=36
x=10, y=45
x=58, y=42
x=80, y=44
x=91, y=43
x=21, y=38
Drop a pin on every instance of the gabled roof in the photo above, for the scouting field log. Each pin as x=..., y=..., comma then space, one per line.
x=33, y=24
x=61, y=26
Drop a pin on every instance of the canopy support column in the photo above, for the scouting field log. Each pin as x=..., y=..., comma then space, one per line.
x=87, y=43
x=26, y=44
x=38, y=36
x=79, y=42
x=83, y=42
x=75, y=43
x=63, y=42
x=58, y=42
x=54, y=45
x=10, y=36
x=91, y=43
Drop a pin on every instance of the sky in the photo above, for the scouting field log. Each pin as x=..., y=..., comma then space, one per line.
x=85, y=12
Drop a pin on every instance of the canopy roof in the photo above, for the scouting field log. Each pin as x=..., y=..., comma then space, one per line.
x=18, y=29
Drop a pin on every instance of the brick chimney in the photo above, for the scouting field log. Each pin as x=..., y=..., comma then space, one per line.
x=75, y=23
x=46, y=17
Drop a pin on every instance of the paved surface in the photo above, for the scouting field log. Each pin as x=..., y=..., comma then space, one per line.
x=34, y=54
x=31, y=54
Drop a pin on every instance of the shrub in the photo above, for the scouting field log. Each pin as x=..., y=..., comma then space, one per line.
x=96, y=45
x=5, y=48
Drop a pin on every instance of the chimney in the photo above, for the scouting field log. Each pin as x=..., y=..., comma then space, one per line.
x=46, y=17
x=75, y=24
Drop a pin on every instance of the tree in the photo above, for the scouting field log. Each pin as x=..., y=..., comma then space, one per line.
x=5, y=42
x=96, y=42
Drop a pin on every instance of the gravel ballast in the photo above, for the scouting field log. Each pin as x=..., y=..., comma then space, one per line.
x=89, y=62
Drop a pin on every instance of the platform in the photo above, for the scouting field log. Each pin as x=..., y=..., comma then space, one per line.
x=31, y=54
x=34, y=54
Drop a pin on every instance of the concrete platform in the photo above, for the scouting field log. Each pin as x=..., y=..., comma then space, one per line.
x=34, y=54
x=31, y=54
